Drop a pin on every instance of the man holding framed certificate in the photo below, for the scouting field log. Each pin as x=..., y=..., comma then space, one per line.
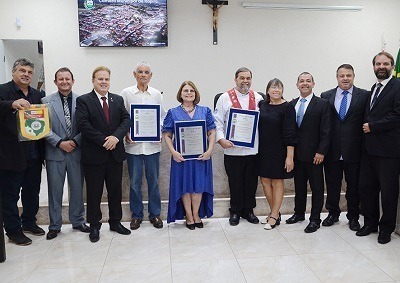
x=236, y=116
x=143, y=144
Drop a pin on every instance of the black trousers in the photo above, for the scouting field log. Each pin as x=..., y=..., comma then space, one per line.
x=303, y=172
x=379, y=174
x=242, y=182
x=334, y=171
x=95, y=176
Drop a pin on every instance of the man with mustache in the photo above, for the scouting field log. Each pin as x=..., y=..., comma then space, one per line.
x=380, y=167
x=239, y=161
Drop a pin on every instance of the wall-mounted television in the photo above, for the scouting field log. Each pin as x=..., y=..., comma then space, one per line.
x=123, y=23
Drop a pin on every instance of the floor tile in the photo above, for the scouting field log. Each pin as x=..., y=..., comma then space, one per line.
x=138, y=273
x=211, y=227
x=386, y=259
x=244, y=227
x=61, y=275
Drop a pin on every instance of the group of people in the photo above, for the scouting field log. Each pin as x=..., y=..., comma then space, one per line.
x=347, y=131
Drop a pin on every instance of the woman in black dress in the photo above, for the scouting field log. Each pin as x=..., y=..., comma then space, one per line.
x=277, y=138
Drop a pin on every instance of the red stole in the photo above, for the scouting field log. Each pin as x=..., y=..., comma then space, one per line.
x=235, y=100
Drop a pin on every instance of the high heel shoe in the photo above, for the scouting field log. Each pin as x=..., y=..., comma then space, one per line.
x=265, y=221
x=191, y=226
x=199, y=225
x=272, y=226
x=278, y=222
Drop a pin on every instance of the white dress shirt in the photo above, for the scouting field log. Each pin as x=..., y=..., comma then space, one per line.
x=308, y=99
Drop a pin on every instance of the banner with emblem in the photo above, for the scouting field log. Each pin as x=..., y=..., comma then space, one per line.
x=34, y=122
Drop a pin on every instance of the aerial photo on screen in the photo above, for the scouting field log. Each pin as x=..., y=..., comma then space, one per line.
x=122, y=23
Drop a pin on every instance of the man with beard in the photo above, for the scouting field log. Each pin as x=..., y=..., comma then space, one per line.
x=380, y=167
x=313, y=120
x=239, y=161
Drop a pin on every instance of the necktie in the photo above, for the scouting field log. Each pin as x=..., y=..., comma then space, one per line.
x=343, y=105
x=300, y=112
x=105, y=109
x=67, y=116
x=376, y=94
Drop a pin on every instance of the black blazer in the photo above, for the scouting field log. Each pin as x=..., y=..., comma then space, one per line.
x=13, y=153
x=314, y=132
x=346, y=135
x=384, y=122
x=94, y=128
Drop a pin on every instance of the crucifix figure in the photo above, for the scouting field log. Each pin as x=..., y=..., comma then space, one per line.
x=215, y=6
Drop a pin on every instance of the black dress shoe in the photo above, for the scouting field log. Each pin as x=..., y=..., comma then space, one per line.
x=366, y=230
x=83, y=228
x=94, y=235
x=250, y=217
x=120, y=229
x=157, y=222
x=234, y=219
x=199, y=225
x=312, y=227
x=19, y=238
x=384, y=237
x=295, y=218
x=52, y=234
x=34, y=230
x=354, y=225
x=191, y=226
x=330, y=220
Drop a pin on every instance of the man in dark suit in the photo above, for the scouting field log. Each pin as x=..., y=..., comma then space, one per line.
x=347, y=106
x=103, y=121
x=21, y=162
x=63, y=156
x=313, y=119
x=380, y=161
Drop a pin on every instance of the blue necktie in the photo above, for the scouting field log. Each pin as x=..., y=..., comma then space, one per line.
x=343, y=105
x=376, y=94
x=300, y=112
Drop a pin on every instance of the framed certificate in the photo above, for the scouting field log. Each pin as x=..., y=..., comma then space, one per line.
x=146, y=125
x=191, y=138
x=242, y=126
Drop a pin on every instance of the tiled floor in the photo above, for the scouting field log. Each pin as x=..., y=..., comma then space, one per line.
x=216, y=253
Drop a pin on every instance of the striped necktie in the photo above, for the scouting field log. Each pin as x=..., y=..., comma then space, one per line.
x=67, y=116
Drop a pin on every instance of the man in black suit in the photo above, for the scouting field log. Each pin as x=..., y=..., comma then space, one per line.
x=313, y=119
x=380, y=161
x=347, y=106
x=103, y=122
x=20, y=162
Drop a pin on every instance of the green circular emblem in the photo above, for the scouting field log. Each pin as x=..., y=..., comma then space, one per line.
x=88, y=4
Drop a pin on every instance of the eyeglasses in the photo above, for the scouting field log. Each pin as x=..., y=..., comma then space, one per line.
x=188, y=90
x=276, y=87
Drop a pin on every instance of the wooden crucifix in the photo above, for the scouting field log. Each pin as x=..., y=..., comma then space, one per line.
x=215, y=5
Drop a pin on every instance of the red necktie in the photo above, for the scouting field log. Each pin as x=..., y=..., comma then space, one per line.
x=105, y=109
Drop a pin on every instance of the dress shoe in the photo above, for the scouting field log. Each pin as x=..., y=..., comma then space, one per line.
x=199, y=225
x=157, y=222
x=384, y=237
x=52, y=234
x=135, y=223
x=312, y=227
x=354, y=225
x=269, y=226
x=83, y=228
x=19, y=238
x=366, y=230
x=190, y=226
x=330, y=220
x=94, y=235
x=250, y=217
x=295, y=218
x=234, y=219
x=120, y=229
x=34, y=230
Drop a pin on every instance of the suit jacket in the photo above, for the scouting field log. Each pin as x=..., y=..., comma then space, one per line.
x=59, y=129
x=384, y=122
x=346, y=135
x=314, y=131
x=94, y=127
x=13, y=153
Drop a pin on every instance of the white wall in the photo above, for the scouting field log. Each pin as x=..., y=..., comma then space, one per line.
x=271, y=43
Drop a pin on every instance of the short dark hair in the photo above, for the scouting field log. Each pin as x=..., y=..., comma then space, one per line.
x=63, y=69
x=242, y=69
x=385, y=54
x=305, y=73
x=196, y=92
x=345, y=66
x=22, y=62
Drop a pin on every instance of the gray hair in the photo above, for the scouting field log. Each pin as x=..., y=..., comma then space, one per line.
x=142, y=64
x=22, y=62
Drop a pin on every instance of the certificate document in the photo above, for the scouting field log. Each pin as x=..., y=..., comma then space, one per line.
x=191, y=138
x=242, y=126
x=145, y=123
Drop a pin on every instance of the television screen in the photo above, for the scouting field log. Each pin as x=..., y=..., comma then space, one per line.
x=123, y=23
